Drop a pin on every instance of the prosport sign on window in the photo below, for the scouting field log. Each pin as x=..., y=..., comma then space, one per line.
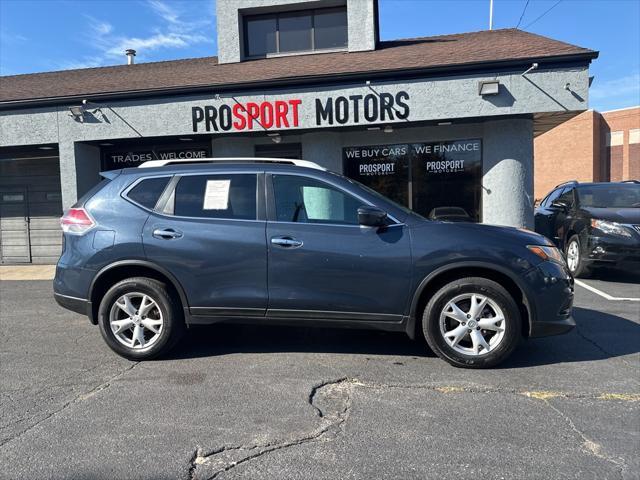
x=117, y=158
x=422, y=176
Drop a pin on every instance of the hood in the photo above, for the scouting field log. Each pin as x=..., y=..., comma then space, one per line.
x=500, y=233
x=619, y=215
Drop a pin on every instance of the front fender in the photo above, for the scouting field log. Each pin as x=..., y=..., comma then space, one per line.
x=468, y=266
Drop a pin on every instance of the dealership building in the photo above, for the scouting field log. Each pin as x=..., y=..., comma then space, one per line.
x=434, y=121
x=591, y=147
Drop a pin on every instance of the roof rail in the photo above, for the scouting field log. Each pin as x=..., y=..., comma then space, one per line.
x=568, y=182
x=630, y=181
x=177, y=161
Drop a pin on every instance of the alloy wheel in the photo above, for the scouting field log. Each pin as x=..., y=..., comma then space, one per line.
x=136, y=320
x=573, y=255
x=472, y=324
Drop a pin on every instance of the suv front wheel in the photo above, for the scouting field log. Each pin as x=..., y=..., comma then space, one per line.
x=139, y=319
x=472, y=322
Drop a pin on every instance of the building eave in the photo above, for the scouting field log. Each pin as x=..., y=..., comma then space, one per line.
x=545, y=62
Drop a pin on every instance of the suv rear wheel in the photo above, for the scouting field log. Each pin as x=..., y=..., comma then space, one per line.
x=139, y=319
x=472, y=322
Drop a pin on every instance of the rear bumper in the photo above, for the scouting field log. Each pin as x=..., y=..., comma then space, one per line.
x=70, y=289
x=78, y=305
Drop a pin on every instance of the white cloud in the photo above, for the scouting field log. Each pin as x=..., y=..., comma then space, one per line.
x=7, y=38
x=177, y=29
x=154, y=42
x=165, y=11
x=629, y=85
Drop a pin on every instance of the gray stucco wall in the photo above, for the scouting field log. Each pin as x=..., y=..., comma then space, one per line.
x=360, y=18
x=432, y=99
x=507, y=146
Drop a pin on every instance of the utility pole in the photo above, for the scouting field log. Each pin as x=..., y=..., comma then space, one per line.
x=490, y=14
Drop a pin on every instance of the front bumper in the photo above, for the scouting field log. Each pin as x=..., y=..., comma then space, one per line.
x=612, y=250
x=552, y=300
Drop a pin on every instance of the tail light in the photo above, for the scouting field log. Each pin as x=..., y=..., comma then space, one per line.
x=77, y=221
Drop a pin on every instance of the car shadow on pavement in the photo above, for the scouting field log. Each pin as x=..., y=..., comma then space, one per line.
x=224, y=338
x=598, y=336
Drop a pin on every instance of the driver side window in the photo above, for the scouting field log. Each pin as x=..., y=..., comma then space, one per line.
x=306, y=200
x=567, y=197
x=552, y=197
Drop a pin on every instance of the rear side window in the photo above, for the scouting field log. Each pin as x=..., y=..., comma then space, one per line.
x=87, y=196
x=230, y=196
x=148, y=191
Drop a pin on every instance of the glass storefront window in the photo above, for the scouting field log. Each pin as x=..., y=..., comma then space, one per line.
x=422, y=176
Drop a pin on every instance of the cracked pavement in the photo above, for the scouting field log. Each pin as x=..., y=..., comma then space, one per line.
x=288, y=403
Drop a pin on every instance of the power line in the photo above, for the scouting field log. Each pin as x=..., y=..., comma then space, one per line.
x=522, y=15
x=546, y=11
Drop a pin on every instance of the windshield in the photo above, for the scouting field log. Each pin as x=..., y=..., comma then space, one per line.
x=610, y=196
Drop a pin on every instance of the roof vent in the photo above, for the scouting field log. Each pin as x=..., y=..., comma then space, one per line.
x=131, y=53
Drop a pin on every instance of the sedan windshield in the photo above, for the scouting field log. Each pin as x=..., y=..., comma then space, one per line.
x=610, y=195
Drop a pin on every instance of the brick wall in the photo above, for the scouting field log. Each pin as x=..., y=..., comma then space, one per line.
x=590, y=147
x=567, y=152
x=624, y=152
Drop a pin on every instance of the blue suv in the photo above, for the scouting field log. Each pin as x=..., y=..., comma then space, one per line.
x=151, y=251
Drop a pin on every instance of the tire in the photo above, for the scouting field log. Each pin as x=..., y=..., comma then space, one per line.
x=499, y=304
x=580, y=268
x=157, y=315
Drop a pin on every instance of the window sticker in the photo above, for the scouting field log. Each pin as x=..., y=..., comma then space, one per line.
x=216, y=195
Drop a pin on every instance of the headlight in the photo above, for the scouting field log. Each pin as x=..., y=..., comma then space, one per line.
x=546, y=252
x=611, y=228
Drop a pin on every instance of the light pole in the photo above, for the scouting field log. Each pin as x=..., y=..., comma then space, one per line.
x=490, y=14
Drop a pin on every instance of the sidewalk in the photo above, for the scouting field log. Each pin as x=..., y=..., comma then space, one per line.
x=27, y=272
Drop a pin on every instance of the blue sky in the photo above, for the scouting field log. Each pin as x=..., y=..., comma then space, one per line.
x=45, y=35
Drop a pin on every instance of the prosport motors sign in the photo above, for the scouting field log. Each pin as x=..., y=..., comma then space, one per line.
x=302, y=112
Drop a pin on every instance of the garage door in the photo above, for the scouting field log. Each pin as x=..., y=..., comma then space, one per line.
x=30, y=206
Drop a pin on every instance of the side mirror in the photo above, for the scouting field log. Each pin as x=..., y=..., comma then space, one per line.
x=372, y=217
x=560, y=206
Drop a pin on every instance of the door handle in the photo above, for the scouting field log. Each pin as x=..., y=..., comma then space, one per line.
x=167, y=233
x=286, y=242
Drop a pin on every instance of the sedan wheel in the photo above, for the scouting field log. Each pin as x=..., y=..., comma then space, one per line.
x=573, y=256
x=472, y=324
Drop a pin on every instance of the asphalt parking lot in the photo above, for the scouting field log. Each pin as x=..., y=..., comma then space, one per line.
x=280, y=403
